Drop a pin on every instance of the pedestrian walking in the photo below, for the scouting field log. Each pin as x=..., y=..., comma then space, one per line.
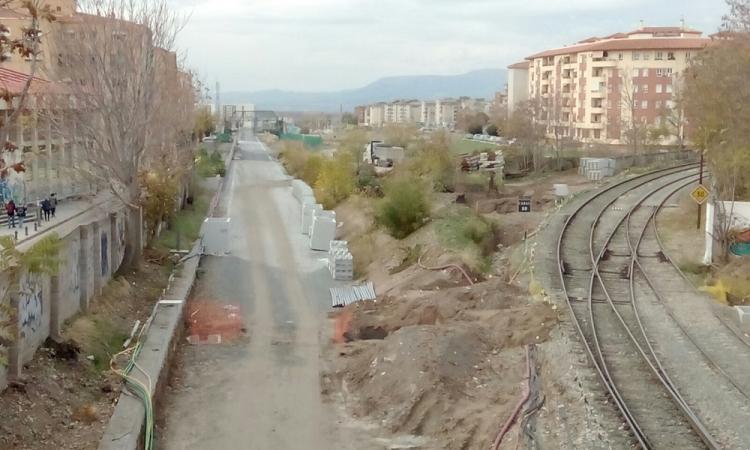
x=46, y=209
x=53, y=204
x=10, y=210
x=21, y=213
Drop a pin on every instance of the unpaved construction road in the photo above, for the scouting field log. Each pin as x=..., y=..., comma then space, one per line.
x=262, y=392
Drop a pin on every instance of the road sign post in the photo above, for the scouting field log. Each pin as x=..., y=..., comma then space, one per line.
x=700, y=194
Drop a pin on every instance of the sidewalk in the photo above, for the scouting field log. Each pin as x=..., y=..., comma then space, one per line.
x=67, y=211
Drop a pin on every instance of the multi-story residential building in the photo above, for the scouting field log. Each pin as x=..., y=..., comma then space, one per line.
x=427, y=114
x=446, y=112
x=518, y=84
x=360, y=113
x=595, y=90
x=439, y=113
x=53, y=157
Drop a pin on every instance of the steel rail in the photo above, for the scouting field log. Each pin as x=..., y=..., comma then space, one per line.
x=636, y=263
x=596, y=259
x=606, y=381
x=743, y=340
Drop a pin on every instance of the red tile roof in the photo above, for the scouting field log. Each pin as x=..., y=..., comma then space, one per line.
x=14, y=82
x=628, y=44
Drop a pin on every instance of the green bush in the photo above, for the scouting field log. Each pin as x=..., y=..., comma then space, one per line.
x=469, y=234
x=405, y=207
x=368, y=181
x=209, y=165
x=434, y=161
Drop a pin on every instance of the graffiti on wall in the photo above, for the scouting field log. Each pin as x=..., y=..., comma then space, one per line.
x=31, y=305
x=121, y=239
x=105, y=254
x=75, y=279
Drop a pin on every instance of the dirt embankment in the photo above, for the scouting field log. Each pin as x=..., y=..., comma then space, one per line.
x=68, y=394
x=434, y=362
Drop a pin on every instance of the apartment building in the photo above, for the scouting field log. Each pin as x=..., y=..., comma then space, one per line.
x=592, y=91
x=53, y=160
x=518, y=84
x=438, y=113
x=427, y=113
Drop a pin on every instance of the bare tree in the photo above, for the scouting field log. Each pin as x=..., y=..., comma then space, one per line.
x=111, y=62
x=634, y=130
x=27, y=45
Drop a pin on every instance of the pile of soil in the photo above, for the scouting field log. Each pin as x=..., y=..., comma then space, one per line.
x=444, y=364
x=67, y=395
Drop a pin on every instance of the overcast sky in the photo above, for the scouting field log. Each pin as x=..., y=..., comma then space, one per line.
x=314, y=45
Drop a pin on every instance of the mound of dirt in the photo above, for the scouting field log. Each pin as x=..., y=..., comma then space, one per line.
x=446, y=365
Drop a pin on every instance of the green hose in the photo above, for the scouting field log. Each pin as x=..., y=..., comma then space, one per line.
x=144, y=394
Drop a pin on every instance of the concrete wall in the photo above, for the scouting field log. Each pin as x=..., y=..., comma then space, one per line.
x=89, y=256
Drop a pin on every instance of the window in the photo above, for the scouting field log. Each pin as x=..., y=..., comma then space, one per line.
x=644, y=72
x=658, y=104
x=670, y=56
x=635, y=105
x=644, y=89
x=659, y=56
x=658, y=88
x=619, y=56
x=636, y=88
x=669, y=104
x=644, y=104
x=597, y=134
x=669, y=89
x=636, y=56
x=636, y=72
x=646, y=56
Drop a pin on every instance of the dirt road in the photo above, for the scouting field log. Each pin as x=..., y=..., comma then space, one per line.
x=262, y=392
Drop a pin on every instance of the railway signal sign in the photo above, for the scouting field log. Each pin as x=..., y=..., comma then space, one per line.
x=524, y=204
x=700, y=194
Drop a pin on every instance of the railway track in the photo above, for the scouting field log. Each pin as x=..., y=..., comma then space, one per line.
x=594, y=251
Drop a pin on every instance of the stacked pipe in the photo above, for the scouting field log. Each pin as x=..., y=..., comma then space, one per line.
x=340, y=261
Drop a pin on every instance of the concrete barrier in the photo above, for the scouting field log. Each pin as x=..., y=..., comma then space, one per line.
x=125, y=428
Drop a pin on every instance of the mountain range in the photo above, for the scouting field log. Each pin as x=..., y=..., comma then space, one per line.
x=477, y=84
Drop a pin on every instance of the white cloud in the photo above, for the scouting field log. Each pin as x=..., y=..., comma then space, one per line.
x=333, y=44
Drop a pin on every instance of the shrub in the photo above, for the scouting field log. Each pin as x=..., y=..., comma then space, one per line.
x=368, y=181
x=405, y=207
x=492, y=129
x=209, y=166
x=335, y=181
x=470, y=234
x=433, y=161
x=311, y=169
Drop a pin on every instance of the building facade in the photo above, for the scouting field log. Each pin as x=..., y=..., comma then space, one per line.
x=518, y=84
x=595, y=90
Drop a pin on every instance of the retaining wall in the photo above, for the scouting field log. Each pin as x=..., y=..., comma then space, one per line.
x=90, y=253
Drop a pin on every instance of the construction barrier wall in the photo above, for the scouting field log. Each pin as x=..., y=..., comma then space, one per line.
x=90, y=253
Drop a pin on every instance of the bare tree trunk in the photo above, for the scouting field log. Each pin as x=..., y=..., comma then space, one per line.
x=133, y=238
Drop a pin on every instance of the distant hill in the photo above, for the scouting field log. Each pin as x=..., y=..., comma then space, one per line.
x=479, y=84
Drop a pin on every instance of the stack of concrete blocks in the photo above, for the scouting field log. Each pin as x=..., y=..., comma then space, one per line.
x=322, y=230
x=340, y=261
x=595, y=169
x=309, y=209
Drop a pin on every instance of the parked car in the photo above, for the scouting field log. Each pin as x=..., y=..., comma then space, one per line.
x=478, y=137
x=208, y=139
x=469, y=136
